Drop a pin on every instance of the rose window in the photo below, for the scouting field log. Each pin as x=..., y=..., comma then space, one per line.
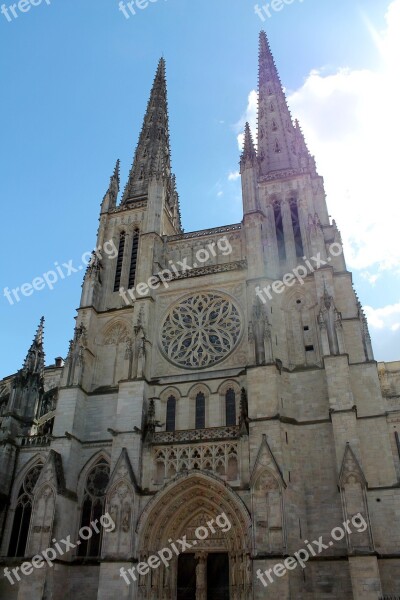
x=201, y=330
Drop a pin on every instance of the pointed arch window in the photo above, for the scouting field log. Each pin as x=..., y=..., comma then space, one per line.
x=120, y=258
x=23, y=513
x=280, y=238
x=93, y=507
x=230, y=407
x=294, y=212
x=277, y=147
x=200, y=411
x=171, y=414
x=134, y=255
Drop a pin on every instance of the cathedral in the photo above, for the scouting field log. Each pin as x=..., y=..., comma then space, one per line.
x=219, y=381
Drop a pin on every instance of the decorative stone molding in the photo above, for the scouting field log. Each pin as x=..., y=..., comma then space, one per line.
x=221, y=459
x=121, y=506
x=116, y=334
x=35, y=440
x=205, y=232
x=353, y=491
x=210, y=269
x=196, y=435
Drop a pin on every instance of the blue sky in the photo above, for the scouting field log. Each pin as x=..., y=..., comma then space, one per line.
x=75, y=82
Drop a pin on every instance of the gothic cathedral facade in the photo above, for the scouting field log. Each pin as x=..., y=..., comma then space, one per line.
x=212, y=389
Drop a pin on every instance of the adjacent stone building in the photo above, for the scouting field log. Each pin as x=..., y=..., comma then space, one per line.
x=194, y=385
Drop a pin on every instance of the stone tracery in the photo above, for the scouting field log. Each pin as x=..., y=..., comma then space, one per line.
x=221, y=459
x=201, y=330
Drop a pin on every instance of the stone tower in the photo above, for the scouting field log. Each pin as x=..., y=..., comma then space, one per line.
x=226, y=373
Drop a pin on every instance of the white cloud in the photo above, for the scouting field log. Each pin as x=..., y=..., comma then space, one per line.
x=372, y=278
x=387, y=317
x=233, y=176
x=351, y=125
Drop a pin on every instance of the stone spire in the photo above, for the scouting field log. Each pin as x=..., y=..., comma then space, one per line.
x=249, y=152
x=34, y=361
x=152, y=157
x=276, y=134
x=249, y=173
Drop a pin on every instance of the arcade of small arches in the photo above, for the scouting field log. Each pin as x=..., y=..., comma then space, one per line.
x=229, y=399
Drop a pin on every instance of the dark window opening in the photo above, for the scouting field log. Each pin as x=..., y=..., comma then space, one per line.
x=280, y=238
x=171, y=412
x=120, y=258
x=306, y=328
x=200, y=411
x=93, y=507
x=134, y=254
x=310, y=348
x=294, y=211
x=23, y=513
x=230, y=407
x=19, y=534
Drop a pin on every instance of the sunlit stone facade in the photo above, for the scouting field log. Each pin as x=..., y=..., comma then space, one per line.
x=209, y=389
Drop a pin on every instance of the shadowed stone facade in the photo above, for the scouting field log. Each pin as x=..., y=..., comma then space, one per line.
x=205, y=395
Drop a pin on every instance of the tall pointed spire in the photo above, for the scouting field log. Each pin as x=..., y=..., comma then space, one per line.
x=152, y=155
x=34, y=361
x=276, y=134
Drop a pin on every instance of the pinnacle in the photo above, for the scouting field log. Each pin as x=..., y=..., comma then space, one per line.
x=39, y=333
x=263, y=41
x=161, y=67
x=34, y=361
x=248, y=144
x=116, y=171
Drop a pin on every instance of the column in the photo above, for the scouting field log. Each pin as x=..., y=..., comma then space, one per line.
x=365, y=577
x=201, y=576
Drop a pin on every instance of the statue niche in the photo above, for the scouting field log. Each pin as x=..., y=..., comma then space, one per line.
x=260, y=339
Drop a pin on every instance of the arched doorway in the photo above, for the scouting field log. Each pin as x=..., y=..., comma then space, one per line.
x=218, y=566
